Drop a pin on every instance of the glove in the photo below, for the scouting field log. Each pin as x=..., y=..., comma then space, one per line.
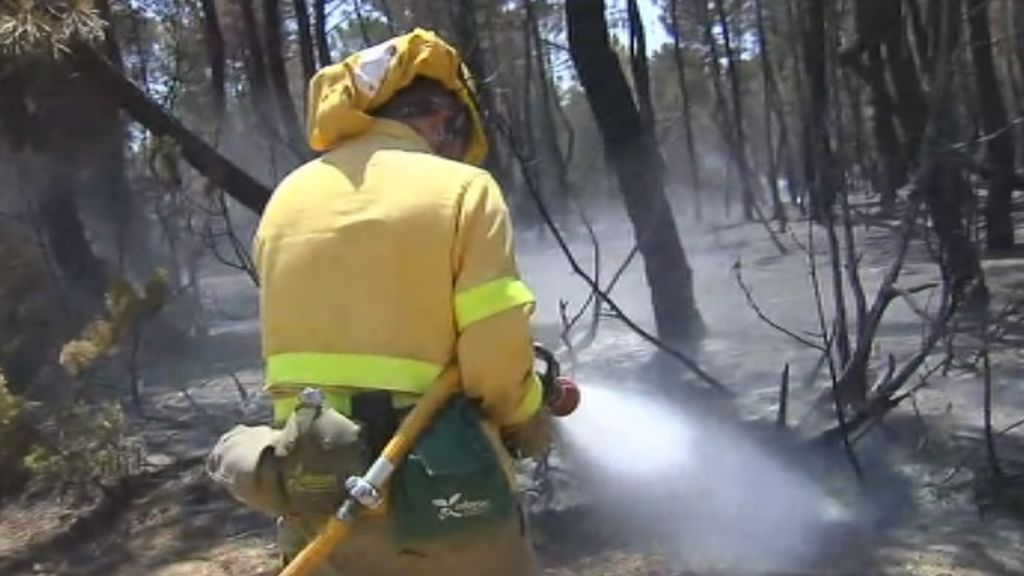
x=531, y=439
x=317, y=450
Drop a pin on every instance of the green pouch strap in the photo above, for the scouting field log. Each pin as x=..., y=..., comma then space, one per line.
x=452, y=481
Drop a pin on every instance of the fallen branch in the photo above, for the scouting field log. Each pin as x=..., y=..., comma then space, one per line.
x=224, y=173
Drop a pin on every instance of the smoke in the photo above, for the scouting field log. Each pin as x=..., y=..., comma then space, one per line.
x=703, y=496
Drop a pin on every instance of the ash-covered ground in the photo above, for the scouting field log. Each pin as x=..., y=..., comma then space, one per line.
x=690, y=484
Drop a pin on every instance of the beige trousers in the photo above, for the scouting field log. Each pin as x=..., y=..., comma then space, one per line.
x=242, y=462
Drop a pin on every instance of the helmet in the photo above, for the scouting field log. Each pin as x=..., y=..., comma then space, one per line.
x=342, y=96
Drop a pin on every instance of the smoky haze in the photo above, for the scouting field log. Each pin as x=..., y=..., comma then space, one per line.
x=673, y=480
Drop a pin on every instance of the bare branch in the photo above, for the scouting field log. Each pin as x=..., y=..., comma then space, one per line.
x=682, y=357
x=738, y=273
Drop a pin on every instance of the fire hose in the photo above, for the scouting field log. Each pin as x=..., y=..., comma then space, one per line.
x=561, y=396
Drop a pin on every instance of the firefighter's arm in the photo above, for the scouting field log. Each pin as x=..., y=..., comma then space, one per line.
x=492, y=310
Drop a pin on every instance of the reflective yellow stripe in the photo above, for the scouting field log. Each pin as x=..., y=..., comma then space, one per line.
x=287, y=373
x=485, y=300
x=340, y=400
x=351, y=371
x=530, y=403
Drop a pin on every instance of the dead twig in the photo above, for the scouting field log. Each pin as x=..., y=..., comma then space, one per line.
x=780, y=418
x=990, y=443
x=752, y=303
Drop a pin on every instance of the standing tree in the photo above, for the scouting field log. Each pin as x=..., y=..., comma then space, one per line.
x=1001, y=155
x=634, y=155
x=684, y=92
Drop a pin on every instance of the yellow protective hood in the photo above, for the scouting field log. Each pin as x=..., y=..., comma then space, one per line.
x=341, y=96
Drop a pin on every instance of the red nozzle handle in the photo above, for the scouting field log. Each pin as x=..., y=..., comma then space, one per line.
x=566, y=398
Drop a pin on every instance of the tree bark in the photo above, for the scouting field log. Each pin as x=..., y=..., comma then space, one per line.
x=722, y=113
x=66, y=237
x=999, y=209
x=817, y=149
x=214, y=39
x=799, y=186
x=638, y=66
x=771, y=95
x=911, y=104
x=945, y=183
x=684, y=91
x=463, y=13
x=305, y=39
x=634, y=155
x=255, y=67
x=323, y=48
x=205, y=159
x=550, y=105
x=867, y=62
x=1018, y=25
x=279, y=79
x=739, y=130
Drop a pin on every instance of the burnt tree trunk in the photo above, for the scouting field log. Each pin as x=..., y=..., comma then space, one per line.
x=213, y=37
x=771, y=97
x=911, y=104
x=1018, y=26
x=946, y=185
x=798, y=184
x=323, y=48
x=1001, y=155
x=306, y=48
x=255, y=68
x=638, y=66
x=722, y=114
x=463, y=13
x=866, y=60
x=739, y=130
x=817, y=149
x=279, y=79
x=684, y=91
x=552, y=152
x=205, y=159
x=634, y=156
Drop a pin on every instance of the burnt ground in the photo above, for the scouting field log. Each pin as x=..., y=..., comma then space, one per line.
x=930, y=509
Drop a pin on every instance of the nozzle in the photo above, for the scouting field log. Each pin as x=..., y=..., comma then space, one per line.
x=566, y=397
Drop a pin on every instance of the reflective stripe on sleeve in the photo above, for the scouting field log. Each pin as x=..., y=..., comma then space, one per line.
x=480, y=302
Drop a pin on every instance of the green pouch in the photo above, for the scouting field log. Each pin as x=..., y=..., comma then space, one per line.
x=451, y=483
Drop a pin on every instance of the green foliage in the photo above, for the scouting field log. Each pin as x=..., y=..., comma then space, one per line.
x=126, y=307
x=88, y=446
x=11, y=407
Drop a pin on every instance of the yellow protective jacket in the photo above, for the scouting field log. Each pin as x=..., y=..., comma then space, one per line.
x=383, y=266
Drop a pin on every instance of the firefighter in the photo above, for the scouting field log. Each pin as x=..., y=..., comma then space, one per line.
x=386, y=265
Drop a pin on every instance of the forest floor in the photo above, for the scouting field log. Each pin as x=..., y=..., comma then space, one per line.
x=934, y=513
